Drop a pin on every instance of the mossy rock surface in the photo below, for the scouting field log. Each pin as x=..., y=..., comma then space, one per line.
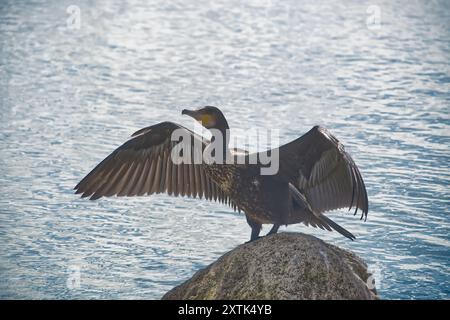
x=281, y=266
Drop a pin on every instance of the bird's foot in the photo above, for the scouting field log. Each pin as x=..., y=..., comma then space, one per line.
x=254, y=239
x=273, y=230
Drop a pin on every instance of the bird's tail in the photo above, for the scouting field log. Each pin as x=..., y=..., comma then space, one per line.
x=302, y=212
x=336, y=227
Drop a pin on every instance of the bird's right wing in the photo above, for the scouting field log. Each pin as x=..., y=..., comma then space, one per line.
x=318, y=165
x=143, y=165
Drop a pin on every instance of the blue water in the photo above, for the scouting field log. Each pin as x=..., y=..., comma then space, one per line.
x=69, y=96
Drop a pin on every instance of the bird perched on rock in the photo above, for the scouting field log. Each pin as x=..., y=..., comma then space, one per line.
x=315, y=174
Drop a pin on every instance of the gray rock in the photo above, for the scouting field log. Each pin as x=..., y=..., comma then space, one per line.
x=280, y=266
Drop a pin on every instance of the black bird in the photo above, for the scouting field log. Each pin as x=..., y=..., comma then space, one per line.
x=315, y=174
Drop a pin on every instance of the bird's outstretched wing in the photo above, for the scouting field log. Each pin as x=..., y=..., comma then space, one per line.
x=143, y=165
x=317, y=164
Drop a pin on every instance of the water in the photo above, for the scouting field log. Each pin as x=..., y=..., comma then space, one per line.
x=69, y=96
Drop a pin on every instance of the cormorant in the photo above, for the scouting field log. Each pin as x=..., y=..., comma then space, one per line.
x=315, y=175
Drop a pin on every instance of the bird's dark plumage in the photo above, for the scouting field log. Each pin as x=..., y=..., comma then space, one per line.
x=315, y=175
x=142, y=165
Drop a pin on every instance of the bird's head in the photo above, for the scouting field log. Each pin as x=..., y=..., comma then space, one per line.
x=210, y=117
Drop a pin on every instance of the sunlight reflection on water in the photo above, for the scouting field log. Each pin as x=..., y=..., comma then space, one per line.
x=69, y=97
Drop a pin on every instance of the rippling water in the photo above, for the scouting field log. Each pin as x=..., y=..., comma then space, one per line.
x=69, y=96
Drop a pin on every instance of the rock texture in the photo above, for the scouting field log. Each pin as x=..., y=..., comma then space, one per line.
x=280, y=266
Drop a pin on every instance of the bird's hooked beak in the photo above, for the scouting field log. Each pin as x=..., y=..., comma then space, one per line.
x=206, y=119
x=190, y=113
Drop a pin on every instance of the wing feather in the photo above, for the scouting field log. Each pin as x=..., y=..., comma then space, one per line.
x=318, y=165
x=143, y=165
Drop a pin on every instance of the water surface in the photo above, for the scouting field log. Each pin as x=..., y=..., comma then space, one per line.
x=69, y=96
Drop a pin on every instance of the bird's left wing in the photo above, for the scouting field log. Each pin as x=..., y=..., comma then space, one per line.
x=318, y=165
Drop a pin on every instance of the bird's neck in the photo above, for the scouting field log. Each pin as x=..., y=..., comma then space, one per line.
x=219, y=141
x=223, y=127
